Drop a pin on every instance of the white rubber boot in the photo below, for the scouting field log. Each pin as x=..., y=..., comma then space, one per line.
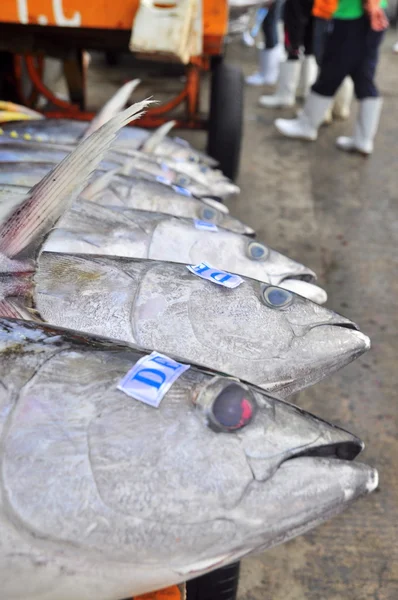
x=305, y=127
x=257, y=78
x=285, y=94
x=343, y=98
x=365, y=128
x=268, y=68
x=308, y=75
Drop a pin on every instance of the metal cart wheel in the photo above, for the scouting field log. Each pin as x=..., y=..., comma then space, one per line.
x=221, y=584
x=226, y=117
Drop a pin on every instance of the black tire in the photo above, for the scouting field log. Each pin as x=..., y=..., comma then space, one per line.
x=111, y=58
x=221, y=584
x=8, y=84
x=226, y=117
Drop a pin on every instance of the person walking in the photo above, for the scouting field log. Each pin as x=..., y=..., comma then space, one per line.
x=269, y=57
x=296, y=74
x=322, y=12
x=351, y=49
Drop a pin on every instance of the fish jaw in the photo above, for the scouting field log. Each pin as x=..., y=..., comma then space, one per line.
x=305, y=492
x=325, y=349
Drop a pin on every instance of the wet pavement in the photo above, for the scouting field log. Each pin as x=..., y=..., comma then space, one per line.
x=338, y=214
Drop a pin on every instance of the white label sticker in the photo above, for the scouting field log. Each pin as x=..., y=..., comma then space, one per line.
x=205, y=271
x=151, y=378
x=205, y=225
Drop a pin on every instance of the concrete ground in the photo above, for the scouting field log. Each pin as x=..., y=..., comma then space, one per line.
x=339, y=215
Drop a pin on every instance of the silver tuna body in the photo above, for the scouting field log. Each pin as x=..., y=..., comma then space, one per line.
x=92, y=229
x=101, y=496
x=201, y=181
x=143, y=194
x=67, y=131
x=280, y=347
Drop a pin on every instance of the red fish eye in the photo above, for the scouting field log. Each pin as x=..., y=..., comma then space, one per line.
x=233, y=408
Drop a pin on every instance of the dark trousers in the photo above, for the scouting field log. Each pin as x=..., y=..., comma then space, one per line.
x=352, y=48
x=322, y=28
x=298, y=22
x=270, y=24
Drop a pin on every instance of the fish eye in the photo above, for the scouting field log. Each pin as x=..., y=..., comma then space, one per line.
x=277, y=297
x=257, y=251
x=207, y=213
x=192, y=158
x=182, y=181
x=232, y=409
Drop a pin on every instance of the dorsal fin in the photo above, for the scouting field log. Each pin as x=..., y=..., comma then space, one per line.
x=99, y=184
x=112, y=107
x=153, y=141
x=25, y=227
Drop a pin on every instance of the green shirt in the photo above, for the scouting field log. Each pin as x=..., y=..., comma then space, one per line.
x=352, y=9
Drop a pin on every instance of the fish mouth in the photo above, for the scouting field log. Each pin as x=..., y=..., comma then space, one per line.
x=346, y=450
x=350, y=333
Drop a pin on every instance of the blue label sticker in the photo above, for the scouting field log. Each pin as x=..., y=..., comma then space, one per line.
x=164, y=180
x=182, y=191
x=205, y=225
x=151, y=378
x=205, y=271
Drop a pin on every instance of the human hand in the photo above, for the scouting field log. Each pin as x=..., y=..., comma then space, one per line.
x=377, y=16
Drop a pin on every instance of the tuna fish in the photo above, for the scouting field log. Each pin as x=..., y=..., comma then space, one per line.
x=106, y=497
x=17, y=151
x=112, y=189
x=260, y=333
x=91, y=229
x=29, y=152
x=67, y=131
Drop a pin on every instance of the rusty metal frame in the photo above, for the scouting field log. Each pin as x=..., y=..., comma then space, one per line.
x=155, y=117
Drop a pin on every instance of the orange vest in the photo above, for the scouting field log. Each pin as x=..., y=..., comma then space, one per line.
x=324, y=9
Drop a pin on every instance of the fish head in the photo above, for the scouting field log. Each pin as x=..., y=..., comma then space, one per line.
x=219, y=470
x=211, y=210
x=233, y=252
x=271, y=336
x=279, y=266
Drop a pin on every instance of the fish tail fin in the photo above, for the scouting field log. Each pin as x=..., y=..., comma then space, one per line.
x=14, y=310
x=112, y=107
x=15, y=295
x=153, y=141
x=24, y=228
x=20, y=109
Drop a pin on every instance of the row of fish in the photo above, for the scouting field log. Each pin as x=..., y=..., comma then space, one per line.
x=139, y=389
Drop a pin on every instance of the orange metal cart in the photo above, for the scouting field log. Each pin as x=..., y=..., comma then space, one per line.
x=33, y=29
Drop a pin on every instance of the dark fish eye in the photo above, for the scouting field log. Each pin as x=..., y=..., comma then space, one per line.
x=277, y=297
x=183, y=181
x=208, y=214
x=257, y=251
x=232, y=409
x=192, y=158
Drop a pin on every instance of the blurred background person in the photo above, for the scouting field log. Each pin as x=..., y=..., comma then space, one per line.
x=298, y=72
x=270, y=56
x=322, y=12
x=351, y=49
